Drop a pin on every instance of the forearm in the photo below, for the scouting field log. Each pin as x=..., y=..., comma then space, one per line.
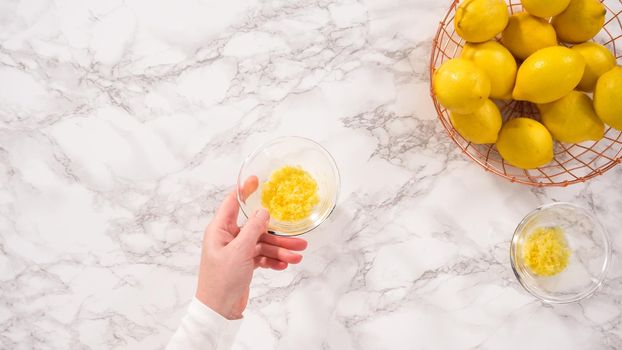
x=203, y=328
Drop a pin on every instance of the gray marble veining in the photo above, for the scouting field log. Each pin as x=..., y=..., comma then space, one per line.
x=123, y=125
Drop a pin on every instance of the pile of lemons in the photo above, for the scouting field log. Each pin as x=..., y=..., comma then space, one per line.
x=543, y=56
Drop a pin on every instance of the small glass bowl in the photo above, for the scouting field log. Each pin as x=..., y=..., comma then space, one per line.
x=590, y=253
x=295, y=151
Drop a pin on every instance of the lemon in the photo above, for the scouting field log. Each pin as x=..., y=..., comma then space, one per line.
x=598, y=60
x=525, y=143
x=572, y=119
x=580, y=21
x=481, y=126
x=460, y=86
x=608, y=97
x=526, y=34
x=480, y=20
x=498, y=63
x=548, y=74
x=545, y=8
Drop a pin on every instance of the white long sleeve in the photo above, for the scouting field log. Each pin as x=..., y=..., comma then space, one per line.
x=203, y=328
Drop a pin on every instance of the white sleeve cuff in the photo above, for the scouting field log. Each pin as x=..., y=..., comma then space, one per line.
x=204, y=328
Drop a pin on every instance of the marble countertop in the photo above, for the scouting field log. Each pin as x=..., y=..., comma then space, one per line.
x=123, y=125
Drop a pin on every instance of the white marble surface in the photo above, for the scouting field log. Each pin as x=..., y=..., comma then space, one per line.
x=123, y=124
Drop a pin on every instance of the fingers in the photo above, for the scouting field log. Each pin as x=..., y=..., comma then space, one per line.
x=250, y=186
x=253, y=229
x=290, y=243
x=277, y=253
x=269, y=263
x=227, y=214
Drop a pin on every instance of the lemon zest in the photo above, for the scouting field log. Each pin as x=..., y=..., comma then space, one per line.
x=546, y=252
x=290, y=194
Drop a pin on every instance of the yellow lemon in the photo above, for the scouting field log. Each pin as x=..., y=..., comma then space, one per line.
x=545, y=8
x=607, y=97
x=481, y=126
x=525, y=143
x=572, y=119
x=598, y=60
x=460, y=86
x=580, y=21
x=480, y=20
x=548, y=75
x=526, y=34
x=498, y=63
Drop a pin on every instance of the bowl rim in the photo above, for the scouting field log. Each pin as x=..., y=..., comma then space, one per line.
x=260, y=148
x=579, y=296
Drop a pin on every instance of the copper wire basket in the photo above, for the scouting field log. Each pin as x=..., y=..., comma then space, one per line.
x=573, y=163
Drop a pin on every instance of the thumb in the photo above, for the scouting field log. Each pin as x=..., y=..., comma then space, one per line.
x=254, y=227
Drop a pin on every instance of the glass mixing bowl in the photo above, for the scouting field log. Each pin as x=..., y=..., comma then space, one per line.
x=296, y=151
x=589, y=258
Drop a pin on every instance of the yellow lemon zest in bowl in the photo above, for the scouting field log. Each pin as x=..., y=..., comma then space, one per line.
x=290, y=194
x=546, y=252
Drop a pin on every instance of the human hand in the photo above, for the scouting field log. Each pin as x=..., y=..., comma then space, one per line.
x=231, y=253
